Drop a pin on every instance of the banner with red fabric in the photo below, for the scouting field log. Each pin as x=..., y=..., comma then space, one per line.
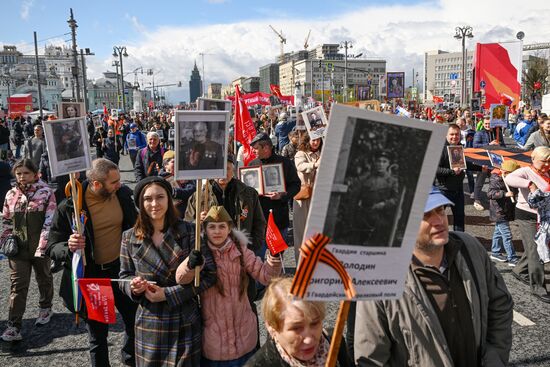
x=479, y=155
x=259, y=98
x=275, y=90
x=99, y=298
x=275, y=241
x=244, y=127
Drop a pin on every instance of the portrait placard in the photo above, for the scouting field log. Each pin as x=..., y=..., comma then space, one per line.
x=208, y=104
x=97, y=121
x=456, y=156
x=499, y=115
x=160, y=133
x=201, y=144
x=114, y=114
x=395, y=87
x=496, y=159
x=252, y=176
x=68, y=148
x=316, y=122
x=475, y=104
x=171, y=134
x=369, y=198
x=132, y=144
x=70, y=110
x=273, y=177
x=133, y=114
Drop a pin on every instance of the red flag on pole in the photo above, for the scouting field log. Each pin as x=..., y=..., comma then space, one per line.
x=275, y=241
x=276, y=90
x=105, y=112
x=244, y=127
x=100, y=301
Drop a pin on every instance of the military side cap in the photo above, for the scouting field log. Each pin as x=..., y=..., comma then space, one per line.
x=509, y=165
x=260, y=137
x=218, y=214
x=382, y=153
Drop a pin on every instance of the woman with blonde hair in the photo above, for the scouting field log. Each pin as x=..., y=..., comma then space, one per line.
x=529, y=269
x=296, y=337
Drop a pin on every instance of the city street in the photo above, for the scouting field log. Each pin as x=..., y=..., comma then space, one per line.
x=62, y=343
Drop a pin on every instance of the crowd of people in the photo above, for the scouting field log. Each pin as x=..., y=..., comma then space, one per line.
x=455, y=311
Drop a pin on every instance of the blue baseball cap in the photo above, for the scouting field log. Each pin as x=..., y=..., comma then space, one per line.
x=435, y=200
x=133, y=125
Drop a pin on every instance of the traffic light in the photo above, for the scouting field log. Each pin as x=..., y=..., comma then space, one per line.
x=320, y=63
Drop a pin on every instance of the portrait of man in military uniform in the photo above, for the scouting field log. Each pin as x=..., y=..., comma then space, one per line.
x=201, y=144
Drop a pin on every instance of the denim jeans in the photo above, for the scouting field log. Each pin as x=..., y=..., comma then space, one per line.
x=457, y=197
x=480, y=181
x=503, y=236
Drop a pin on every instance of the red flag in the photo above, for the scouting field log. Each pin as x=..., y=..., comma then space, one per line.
x=100, y=301
x=244, y=127
x=273, y=237
x=437, y=99
x=105, y=112
x=276, y=90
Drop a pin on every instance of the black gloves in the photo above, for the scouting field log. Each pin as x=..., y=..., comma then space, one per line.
x=195, y=259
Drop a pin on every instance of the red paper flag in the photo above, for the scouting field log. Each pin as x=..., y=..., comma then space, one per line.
x=273, y=237
x=276, y=90
x=244, y=127
x=100, y=301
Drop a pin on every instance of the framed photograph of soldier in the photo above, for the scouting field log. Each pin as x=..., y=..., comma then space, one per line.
x=68, y=148
x=207, y=104
x=160, y=133
x=252, y=176
x=369, y=198
x=114, y=114
x=201, y=139
x=97, y=121
x=496, y=159
x=395, y=85
x=475, y=105
x=133, y=114
x=70, y=110
x=456, y=156
x=132, y=144
x=171, y=134
x=499, y=115
x=273, y=177
x=316, y=122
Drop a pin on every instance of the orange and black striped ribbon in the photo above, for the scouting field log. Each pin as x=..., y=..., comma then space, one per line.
x=312, y=252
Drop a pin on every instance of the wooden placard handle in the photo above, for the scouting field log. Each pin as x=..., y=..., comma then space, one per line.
x=341, y=319
x=198, y=227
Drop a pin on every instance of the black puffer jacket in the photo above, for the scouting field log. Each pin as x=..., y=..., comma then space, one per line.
x=501, y=207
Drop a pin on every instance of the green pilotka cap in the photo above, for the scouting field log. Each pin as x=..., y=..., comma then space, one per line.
x=218, y=214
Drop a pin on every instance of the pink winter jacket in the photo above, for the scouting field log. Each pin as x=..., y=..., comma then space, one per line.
x=230, y=326
x=520, y=179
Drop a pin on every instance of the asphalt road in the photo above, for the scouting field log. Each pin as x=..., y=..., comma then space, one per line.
x=63, y=343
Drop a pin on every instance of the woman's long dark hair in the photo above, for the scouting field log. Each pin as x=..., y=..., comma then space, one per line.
x=144, y=227
x=306, y=147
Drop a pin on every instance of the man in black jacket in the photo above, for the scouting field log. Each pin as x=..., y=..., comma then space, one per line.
x=450, y=180
x=109, y=210
x=276, y=201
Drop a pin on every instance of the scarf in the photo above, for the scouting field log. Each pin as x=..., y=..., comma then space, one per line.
x=542, y=175
x=318, y=360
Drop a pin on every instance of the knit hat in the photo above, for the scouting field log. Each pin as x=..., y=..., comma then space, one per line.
x=169, y=154
x=509, y=165
x=218, y=214
x=149, y=180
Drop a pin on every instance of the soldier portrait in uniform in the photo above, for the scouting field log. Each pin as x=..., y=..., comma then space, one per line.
x=273, y=177
x=207, y=104
x=252, y=176
x=201, y=144
x=316, y=122
x=456, y=156
x=395, y=88
x=68, y=147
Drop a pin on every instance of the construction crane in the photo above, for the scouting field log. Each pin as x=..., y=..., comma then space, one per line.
x=282, y=41
x=306, y=45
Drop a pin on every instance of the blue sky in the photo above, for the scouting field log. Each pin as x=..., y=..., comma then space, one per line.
x=235, y=37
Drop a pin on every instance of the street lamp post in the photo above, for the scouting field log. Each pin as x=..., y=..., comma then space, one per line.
x=121, y=51
x=116, y=64
x=461, y=33
x=345, y=45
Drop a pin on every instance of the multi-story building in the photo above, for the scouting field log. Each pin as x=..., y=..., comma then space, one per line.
x=251, y=84
x=443, y=75
x=215, y=90
x=195, y=85
x=106, y=90
x=324, y=74
x=269, y=74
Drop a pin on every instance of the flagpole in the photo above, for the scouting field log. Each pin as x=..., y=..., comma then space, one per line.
x=198, y=227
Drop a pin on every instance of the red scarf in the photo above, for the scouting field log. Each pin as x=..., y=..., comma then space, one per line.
x=542, y=175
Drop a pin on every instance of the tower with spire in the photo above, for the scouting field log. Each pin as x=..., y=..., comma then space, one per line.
x=195, y=84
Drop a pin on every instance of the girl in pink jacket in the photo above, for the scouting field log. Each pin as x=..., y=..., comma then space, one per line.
x=230, y=334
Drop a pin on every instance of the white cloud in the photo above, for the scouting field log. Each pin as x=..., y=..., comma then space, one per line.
x=140, y=28
x=398, y=33
x=26, y=6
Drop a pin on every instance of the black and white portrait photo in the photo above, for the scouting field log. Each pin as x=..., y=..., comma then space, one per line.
x=456, y=156
x=316, y=122
x=206, y=104
x=68, y=147
x=114, y=114
x=369, y=198
x=171, y=134
x=69, y=110
x=252, y=177
x=201, y=144
x=273, y=177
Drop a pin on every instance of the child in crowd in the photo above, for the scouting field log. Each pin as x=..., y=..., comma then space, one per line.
x=502, y=212
x=230, y=335
x=541, y=201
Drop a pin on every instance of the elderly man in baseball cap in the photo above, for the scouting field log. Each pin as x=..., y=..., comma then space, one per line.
x=455, y=310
